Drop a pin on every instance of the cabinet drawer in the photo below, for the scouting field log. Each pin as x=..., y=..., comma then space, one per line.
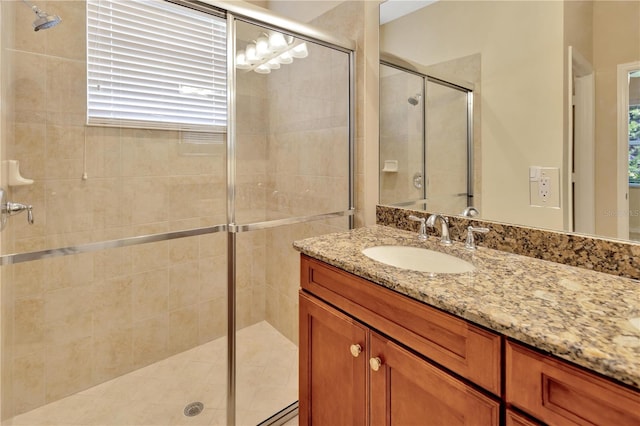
x=465, y=349
x=560, y=394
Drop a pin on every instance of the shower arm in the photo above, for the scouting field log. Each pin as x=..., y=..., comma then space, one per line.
x=33, y=7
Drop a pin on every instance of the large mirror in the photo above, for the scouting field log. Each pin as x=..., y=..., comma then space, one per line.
x=556, y=106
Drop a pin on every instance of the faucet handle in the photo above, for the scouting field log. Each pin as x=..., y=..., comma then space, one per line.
x=471, y=242
x=422, y=232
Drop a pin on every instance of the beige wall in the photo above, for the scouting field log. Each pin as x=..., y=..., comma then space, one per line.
x=513, y=49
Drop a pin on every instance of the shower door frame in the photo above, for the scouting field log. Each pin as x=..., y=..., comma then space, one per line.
x=262, y=18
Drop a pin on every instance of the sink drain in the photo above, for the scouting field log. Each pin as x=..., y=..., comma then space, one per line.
x=193, y=409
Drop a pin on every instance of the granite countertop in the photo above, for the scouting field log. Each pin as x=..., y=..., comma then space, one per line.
x=589, y=318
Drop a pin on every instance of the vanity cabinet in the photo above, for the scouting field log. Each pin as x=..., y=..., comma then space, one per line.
x=352, y=373
x=560, y=394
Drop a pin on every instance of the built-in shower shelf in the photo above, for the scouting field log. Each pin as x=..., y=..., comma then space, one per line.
x=390, y=166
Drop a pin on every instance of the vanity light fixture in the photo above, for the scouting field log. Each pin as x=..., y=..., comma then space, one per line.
x=268, y=52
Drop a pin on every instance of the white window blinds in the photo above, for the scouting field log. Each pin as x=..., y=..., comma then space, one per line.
x=153, y=64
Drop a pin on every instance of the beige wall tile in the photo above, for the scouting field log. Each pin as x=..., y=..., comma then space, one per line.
x=29, y=325
x=151, y=256
x=112, y=304
x=184, y=285
x=112, y=354
x=66, y=302
x=65, y=86
x=148, y=199
x=150, y=294
x=26, y=89
x=68, y=40
x=212, y=319
x=184, y=250
x=150, y=338
x=68, y=271
x=29, y=382
x=68, y=328
x=183, y=328
x=27, y=279
x=213, y=277
x=112, y=263
x=68, y=368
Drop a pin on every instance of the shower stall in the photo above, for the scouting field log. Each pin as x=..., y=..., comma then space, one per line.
x=426, y=138
x=157, y=283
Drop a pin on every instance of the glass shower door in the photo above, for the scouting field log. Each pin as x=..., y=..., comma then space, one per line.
x=292, y=174
x=114, y=300
x=448, y=135
x=402, y=141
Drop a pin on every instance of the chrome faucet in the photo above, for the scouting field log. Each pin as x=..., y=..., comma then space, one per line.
x=422, y=232
x=444, y=230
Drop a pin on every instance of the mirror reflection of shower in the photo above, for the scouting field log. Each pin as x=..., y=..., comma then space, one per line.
x=429, y=141
x=43, y=19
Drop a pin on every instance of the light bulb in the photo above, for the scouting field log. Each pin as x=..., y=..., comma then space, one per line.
x=285, y=58
x=262, y=47
x=262, y=69
x=300, y=51
x=273, y=64
x=251, y=55
x=241, y=61
x=277, y=42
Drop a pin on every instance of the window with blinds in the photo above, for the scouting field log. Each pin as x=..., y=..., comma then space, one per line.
x=155, y=65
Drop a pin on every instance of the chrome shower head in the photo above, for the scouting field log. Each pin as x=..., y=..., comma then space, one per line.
x=43, y=19
x=415, y=100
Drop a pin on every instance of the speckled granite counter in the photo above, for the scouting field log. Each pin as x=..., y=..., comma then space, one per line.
x=589, y=318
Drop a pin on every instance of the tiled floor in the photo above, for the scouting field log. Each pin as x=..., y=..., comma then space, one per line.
x=267, y=381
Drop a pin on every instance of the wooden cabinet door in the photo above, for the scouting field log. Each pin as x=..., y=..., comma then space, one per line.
x=407, y=390
x=333, y=374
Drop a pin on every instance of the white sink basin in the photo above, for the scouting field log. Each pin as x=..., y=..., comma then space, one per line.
x=418, y=259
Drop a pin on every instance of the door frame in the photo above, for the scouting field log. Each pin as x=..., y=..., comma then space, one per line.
x=622, y=190
x=581, y=145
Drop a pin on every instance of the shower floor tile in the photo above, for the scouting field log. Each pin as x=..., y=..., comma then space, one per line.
x=156, y=395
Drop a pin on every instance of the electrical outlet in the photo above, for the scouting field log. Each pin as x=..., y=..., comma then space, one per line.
x=544, y=187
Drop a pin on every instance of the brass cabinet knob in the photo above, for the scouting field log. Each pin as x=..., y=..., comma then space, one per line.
x=375, y=363
x=355, y=350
